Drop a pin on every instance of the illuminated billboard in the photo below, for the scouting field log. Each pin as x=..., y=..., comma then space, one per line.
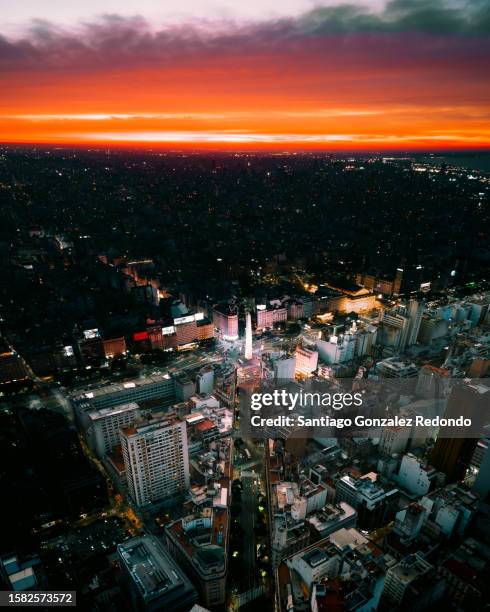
x=140, y=336
x=91, y=333
x=180, y=320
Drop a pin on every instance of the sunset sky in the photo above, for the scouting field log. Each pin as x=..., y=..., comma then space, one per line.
x=272, y=74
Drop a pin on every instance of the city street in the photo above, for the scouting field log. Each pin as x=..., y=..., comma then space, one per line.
x=247, y=520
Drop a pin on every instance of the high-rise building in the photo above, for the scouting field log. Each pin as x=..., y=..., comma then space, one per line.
x=482, y=482
x=226, y=322
x=374, y=505
x=205, y=380
x=306, y=361
x=248, y=337
x=400, y=326
x=386, y=285
x=365, y=340
x=288, y=536
x=452, y=453
x=393, y=330
x=451, y=509
x=409, y=521
x=415, y=310
x=415, y=476
x=199, y=543
x=104, y=425
x=205, y=329
x=184, y=387
x=397, y=282
x=225, y=382
x=268, y=316
x=91, y=350
x=412, y=584
x=393, y=440
x=185, y=330
x=432, y=382
x=155, y=581
x=156, y=458
x=278, y=366
x=338, y=349
x=114, y=346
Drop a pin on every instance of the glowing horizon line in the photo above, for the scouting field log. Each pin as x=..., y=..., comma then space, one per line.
x=233, y=136
x=274, y=113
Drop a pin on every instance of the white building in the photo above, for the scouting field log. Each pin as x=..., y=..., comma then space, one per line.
x=394, y=440
x=433, y=382
x=278, y=366
x=396, y=368
x=331, y=518
x=202, y=401
x=400, y=326
x=156, y=458
x=414, y=476
x=316, y=563
x=451, y=510
x=105, y=424
x=401, y=578
x=338, y=349
x=161, y=386
x=415, y=310
x=226, y=323
x=267, y=317
x=367, y=496
x=205, y=380
x=410, y=520
x=365, y=340
x=306, y=361
x=394, y=330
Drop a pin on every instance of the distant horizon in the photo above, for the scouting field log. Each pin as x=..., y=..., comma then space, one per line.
x=216, y=148
x=332, y=75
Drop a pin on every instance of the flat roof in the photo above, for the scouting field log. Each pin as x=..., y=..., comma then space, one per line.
x=315, y=557
x=107, y=412
x=151, y=568
x=147, y=425
x=347, y=537
x=95, y=392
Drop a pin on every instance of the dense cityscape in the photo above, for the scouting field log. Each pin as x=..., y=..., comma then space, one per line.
x=145, y=293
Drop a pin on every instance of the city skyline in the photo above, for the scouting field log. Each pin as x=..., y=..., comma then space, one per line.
x=388, y=76
x=245, y=305
x=153, y=417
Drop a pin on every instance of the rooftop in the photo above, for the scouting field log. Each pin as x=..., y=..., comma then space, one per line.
x=147, y=425
x=410, y=568
x=151, y=568
x=99, y=391
x=206, y=544
x=108, y=412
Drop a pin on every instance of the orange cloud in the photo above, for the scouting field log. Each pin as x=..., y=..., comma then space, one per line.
x=269, y=86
